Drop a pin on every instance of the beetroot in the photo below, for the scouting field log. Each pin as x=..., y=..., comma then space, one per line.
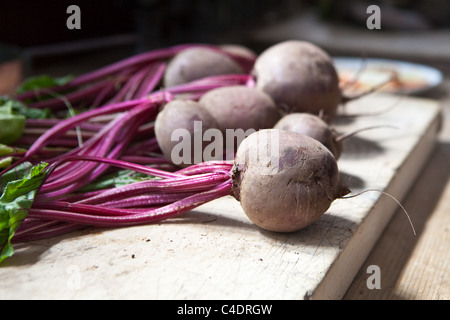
x=300, y=77
x=296, y=190
x=241, y=107
x=196, y=63
x=314, y=127
x=179, y=130
x=284, y=181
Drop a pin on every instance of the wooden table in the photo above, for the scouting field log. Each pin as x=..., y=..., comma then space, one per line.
x=113, y=263
x=412, y=267
x=215, y=252
x=417, y=267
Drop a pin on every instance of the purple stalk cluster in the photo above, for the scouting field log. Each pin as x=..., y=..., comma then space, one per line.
x=166, y=195
x=116, y=132
x=130, y=79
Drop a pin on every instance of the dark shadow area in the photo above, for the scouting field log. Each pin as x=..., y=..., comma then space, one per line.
x=327, y=231
x=320, y=233
x=420, y=204
x=27, y=253
x=357, y=147
x=323, y=232
x=198, y=216
x=351, y=181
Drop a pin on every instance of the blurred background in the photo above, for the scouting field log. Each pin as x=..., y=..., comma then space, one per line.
x=112, y=29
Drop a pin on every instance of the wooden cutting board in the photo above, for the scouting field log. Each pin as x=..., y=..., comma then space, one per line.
x=215, y=252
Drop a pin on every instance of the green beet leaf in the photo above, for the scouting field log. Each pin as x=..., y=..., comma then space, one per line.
x=4, y=152
x=116, y=179
x=42, y=82
x=11, y=125
x=19, y=187
x=20, y=108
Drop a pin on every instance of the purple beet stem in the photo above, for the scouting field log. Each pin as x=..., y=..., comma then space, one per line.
x=170, y=195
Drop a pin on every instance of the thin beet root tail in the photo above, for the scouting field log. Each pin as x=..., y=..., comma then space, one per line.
x=375, y=113
x=345, y=136
x=361, y=69
x=345, y=98
x=390, y=196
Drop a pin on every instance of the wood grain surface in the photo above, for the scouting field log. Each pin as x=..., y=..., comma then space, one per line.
x=215, y=252
x=417, y=267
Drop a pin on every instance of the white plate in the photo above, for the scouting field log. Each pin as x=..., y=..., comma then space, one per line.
x=409, y=77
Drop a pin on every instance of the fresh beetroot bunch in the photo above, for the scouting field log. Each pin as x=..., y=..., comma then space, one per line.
x=293, y=194
x=69, y=170
x=132, y=78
